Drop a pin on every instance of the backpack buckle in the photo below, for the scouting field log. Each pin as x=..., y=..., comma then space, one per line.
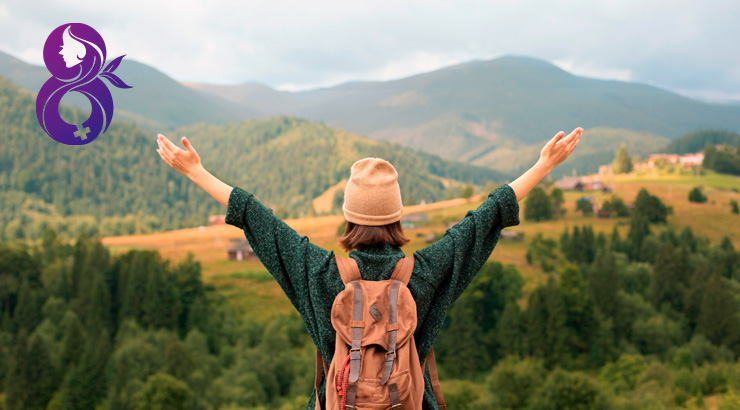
x=393, y=352
x=396, y=405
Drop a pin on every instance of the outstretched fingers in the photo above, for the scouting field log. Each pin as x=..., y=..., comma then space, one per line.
x=187, y=144
x=168, y=144
x=554, y=140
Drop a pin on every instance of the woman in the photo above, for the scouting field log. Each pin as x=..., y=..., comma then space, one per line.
x=372, y=207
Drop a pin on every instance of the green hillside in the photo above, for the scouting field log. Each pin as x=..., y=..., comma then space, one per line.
x=119, y=185
x=597, y=147
x=492, y=113
x=696, y=141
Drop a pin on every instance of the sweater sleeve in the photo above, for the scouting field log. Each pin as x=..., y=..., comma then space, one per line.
x=450, y=264
x=289, y=257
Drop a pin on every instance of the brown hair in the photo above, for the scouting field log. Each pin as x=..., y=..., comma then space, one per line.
x=356, y=236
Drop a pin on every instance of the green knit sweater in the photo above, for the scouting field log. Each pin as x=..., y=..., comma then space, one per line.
x=309, y=276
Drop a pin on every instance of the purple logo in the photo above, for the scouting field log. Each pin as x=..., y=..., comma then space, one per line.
x=74, y=53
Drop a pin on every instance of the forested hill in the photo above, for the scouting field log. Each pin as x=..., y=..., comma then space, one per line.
x=696, y=141
x=118, y=184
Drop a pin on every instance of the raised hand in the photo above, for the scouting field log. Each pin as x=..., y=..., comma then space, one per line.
x=558, y=148
x=185, y=161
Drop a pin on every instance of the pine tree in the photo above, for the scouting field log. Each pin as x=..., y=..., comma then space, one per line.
x=84, y=384
x=604, y=284
x=557, y=330
x=588, y=249
x=464, y=354
x=537, y=206
x=161, y=305
x=28, y=312
x=565, y=244
x=714, y=322
x=190, y=283
x=639, y=229
x=581, y=319
x=41, y=375
x=622, y=163
x=178, y=361
x=509, y=331
x=695, y=292
x=651, y=206
x=670, y=277
x=73, y=341
x=79, y=257
x=17, y=381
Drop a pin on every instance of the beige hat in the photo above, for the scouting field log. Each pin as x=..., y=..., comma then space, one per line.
x=372, y=195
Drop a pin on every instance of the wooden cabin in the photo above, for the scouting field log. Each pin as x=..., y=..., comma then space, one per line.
x=241, y=250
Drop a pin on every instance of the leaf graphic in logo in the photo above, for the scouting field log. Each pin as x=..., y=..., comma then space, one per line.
x=113, y=64
x=115, y=80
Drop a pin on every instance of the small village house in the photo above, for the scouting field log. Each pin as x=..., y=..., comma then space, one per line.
x=241, y=250
x=512, y=235
x=594, y=183
x=692, y=160
x=571, y=183
x=686, y=160
x=216, y=220
x=662, y=158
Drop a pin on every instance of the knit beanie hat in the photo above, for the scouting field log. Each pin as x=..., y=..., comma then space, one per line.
x=372, y=195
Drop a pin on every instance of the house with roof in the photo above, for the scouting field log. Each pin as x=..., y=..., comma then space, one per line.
x=216, y=220
x=241, y=250
x=571, y=183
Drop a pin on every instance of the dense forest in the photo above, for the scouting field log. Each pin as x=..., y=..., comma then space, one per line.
x=119, y=185
x=721, y=149
x=724, y=159
x=698, y=140
x=646, y=321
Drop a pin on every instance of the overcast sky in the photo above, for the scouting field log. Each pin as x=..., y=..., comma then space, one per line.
x=690, y=47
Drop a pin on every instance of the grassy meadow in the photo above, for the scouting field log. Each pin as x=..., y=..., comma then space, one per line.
x=250, y=287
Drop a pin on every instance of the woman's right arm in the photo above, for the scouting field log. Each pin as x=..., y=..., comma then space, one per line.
x=188, y=163
x=289, y=257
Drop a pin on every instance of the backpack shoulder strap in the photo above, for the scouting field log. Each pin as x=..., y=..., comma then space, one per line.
x=403, y=270
x=348, y=269
x=320, y=365
x=434, y=377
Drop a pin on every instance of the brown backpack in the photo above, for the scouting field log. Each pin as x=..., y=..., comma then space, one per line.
x=375, y=365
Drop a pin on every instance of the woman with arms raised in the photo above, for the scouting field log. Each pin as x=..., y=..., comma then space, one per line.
x=308, y=274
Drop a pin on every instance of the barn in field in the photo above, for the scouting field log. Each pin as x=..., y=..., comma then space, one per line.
x=241, y=250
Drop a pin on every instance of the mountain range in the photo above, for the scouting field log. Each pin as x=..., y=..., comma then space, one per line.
x=493, y=113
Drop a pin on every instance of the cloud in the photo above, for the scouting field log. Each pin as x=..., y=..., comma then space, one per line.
x=590, y=69
x=686, y=46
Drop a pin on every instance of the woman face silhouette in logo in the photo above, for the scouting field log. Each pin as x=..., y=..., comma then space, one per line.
x=75, y=53
x=72, y=51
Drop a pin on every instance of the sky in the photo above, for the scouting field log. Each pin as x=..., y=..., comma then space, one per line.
x=688, y=47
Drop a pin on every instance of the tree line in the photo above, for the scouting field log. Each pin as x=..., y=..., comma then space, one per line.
x=118, y=185
x=645, y=320
x=649, y=320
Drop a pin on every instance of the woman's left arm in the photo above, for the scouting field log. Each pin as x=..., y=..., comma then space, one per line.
x=452, y=262
x=552, y=154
